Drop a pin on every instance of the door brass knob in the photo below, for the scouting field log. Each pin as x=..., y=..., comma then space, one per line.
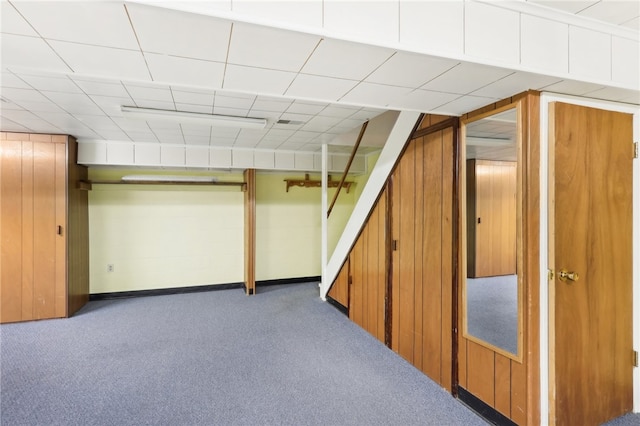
x=570, y=276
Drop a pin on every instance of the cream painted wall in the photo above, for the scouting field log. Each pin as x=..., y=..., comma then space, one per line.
x=288, y=226
x=161, y=236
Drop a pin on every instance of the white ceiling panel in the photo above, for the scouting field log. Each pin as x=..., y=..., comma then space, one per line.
x=299, y=13
x=144, y=103
x=343, y=111
x=28, y=95
x=615, y=12
x=571, y=6
x=321, y=124
x=74, y=102
x=12, y=126
x=54, y=84
x=113, y=135
x=465, y=104
x=422, y=100
x=270, y=104
x=633, y=23
x=515, y=83
x=222, y=101
x=103, y=61
x=340, y=59
x=185, y=71
x=302, y=107
x=147, y=136
x=8, y=79
x=180, y=34
x=111, y=105
x=264, y=47
x=572, y=87
x=195, y=130
x=230, y=111
x=202, y=109
x=257, y=80
x=410, y=70
x=317, y=87
x=149, y=93
x=617, y=94
x=196, y=139
x=102, y=23
x=97, y=123
x=130, y=126
x=111, y=89
x=466, y=78
x=203, y=98
x=29, y=52
x=374, y=94
x=47, y=106
x=13, y=22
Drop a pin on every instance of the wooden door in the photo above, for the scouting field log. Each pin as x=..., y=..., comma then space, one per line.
x=590, y=234
x=33, y=205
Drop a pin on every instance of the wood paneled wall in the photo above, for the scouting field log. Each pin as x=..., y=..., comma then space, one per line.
x=250, y=231
x=491, y=218
x=44, y=263
x=508, y=385
x=401, y=266
x=422, y=265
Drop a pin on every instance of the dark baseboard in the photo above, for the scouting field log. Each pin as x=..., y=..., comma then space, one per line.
x=164, y=291
x=484, y=410
x=338, y=305
x=288, y=281
x=195, y=289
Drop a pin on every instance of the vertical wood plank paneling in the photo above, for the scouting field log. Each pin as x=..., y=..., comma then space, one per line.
x=340, y=289
x=446, y=297
x=383, y=265
x=481, y=372
x=418, y=259
x=396, y=182
x=462, y=364
x=11, y=225
x=44, y=229
x=503, y=384
x=371, y=273
x=250, y=231
x=519, y=393
x=363, y=283
x=431, y=212
x=27, y=230
x=357, y=303
x=406, y=247
x=60, y=201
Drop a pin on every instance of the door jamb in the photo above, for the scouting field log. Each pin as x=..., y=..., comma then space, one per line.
x=545, y=99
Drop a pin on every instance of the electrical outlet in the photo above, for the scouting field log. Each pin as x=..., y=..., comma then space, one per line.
x=110, y=267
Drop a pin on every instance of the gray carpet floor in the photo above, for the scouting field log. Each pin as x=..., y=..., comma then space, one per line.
x=282, y=357
x=492, y=309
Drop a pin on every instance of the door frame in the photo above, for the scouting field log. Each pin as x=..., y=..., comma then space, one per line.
x=545, y=362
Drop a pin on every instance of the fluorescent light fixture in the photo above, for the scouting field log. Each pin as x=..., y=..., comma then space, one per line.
x=168, y=178
x=183, y=117
x=478, y=141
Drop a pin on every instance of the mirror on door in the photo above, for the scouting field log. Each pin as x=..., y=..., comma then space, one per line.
x=491, y=290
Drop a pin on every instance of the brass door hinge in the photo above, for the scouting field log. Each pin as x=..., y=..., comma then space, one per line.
x=635, y=358
x=550, y=275
x=635, y=150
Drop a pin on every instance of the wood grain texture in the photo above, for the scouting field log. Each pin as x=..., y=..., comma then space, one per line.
x=11, y=228
x=592, y=236
x=26, y=247
x=481, y=372
x=61, y=239
x=340, y=289
x=447, y=300
x=503, y=384
x=250, y=231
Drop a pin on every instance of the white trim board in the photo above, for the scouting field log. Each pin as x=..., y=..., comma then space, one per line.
x=545, y=99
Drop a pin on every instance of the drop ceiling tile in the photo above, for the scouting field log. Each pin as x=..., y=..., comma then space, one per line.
x=269, y=144
x=13, y=22
x=280, y=133
x=185, y=71
x=163, y=125
x=98, y=23
x=302, y=107
x=7, y=104
x=202, y=109
x=589, y=53
x=436, y=25
x=26, y=95
x=465, y=78
x=615, y=94
x=410, y=70
x=614, y=12
x=515, y=83
x=465, y=104
x=317, y=87
x=366, y=114
x=103, y=61
x=257, y=80
x=8, y=79
x=299, y=13
x=196, y=140
x=341, y=59
x=271, y=116
x=195, y=130
x=572, y=87
x=342, y=111
x=230, y=111
x=221, y=141
x=148, y=93
x=570, y=6
x=264, y=47
x=11, y=126
x=114, y=134
x=295, y=117
x=196, y=98
x=180, y=34
x=62, y=120
x=422, y=100
x=47, y=106
x=321, y=124
x=634, y=24
x=374, y=94
x=130, y=125
x=111, y=105
x=53, y=84
x=170, y=137
x=378, y=20
x=74, y=102
x=245, y=143
x=97, y=122
x=147, y=136
x=224, y=132
x=113, y=89
x=272, y=105
x=29, y=52
x=222, y=101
